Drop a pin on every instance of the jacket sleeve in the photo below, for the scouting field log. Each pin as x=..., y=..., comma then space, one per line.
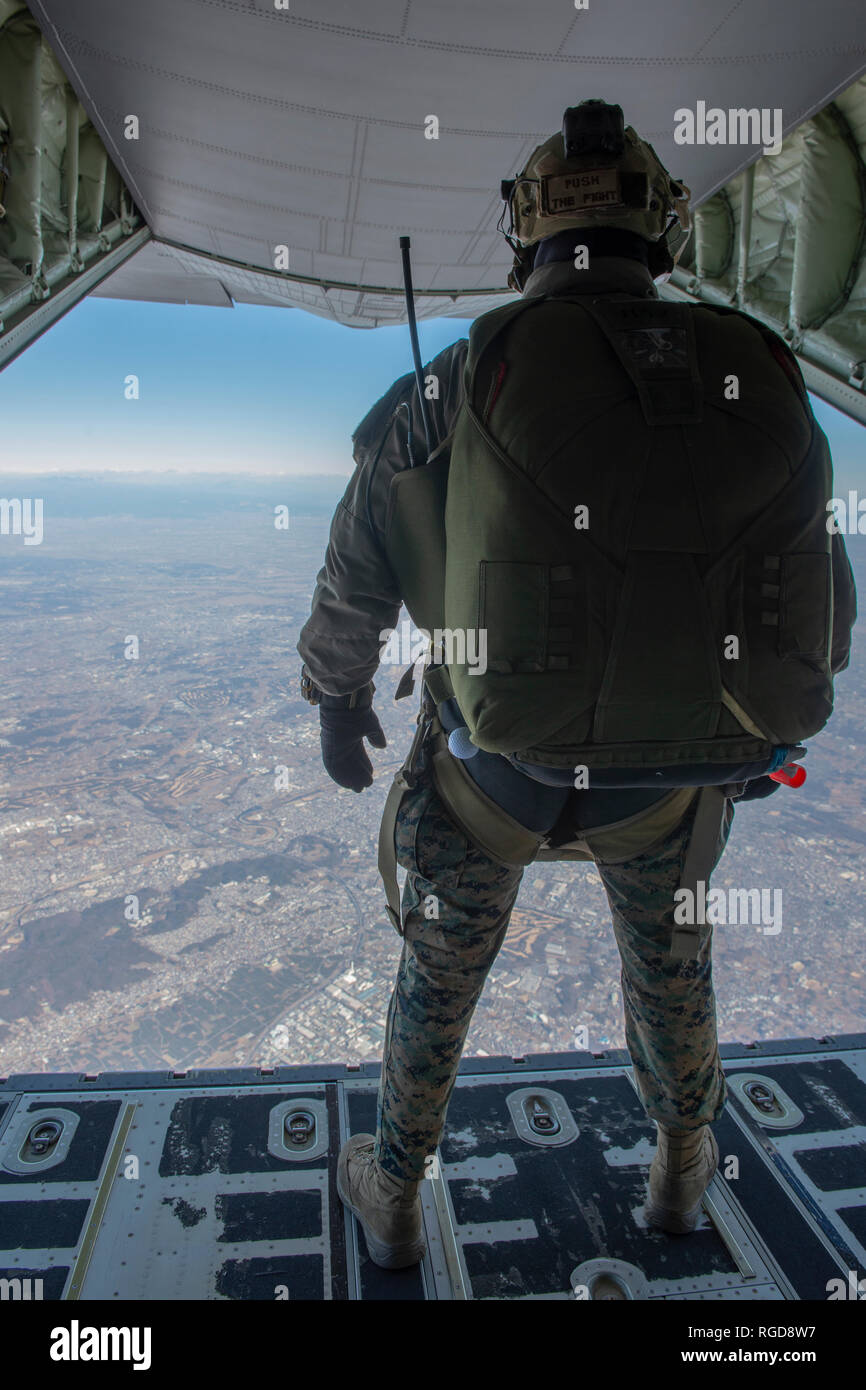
x=844, y=605
x=356, y=598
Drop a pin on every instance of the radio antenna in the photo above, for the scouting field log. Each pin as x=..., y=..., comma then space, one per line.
x=413, y=333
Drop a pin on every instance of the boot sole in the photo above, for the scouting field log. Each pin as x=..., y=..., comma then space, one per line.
x=383, y=1255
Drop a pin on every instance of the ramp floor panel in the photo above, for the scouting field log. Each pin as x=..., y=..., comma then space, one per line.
x=193, y=1188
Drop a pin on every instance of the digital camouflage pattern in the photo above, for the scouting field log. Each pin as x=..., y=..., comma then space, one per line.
x=669, y=1005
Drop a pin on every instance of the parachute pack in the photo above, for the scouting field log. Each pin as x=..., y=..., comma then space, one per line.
x=631, y=512
x=635, y=521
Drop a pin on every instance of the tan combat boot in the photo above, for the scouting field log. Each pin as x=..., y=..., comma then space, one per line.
x=388, y=1208
x=681, y=1171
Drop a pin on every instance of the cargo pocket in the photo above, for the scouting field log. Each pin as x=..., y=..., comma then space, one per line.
x=662, y=679
x=440, y=848
x=804, y=606
x=513, y=608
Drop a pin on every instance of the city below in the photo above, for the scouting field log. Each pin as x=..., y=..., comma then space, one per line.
x=183, y=885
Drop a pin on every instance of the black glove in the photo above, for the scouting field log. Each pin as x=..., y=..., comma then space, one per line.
x=343, y=751
x=758, y=788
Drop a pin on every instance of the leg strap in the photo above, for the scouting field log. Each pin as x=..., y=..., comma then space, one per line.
x=699, y=862
x=403, y=782
x=388, y=850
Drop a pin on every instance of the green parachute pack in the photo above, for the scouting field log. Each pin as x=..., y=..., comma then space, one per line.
x=628, y=544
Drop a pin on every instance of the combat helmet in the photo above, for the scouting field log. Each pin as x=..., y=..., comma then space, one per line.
x=595, y=172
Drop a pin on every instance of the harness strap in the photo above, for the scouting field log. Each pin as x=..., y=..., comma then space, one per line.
x=437, y=682
x=388, y=851
x=506, y=841
x=403, y=781
x=700, y=858
x=482, y=820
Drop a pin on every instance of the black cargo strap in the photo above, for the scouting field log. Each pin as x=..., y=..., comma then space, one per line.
x=406, y=684
x=700, y=858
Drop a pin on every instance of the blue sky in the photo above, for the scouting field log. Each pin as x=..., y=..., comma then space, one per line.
x=248, y=389
x=243, y=390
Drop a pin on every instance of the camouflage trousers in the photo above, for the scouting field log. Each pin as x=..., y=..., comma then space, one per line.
x=670, y=1016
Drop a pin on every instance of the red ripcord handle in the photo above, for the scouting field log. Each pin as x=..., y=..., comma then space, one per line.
x=791, y=775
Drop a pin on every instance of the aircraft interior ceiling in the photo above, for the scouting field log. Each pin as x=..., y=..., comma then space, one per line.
x=202, y=136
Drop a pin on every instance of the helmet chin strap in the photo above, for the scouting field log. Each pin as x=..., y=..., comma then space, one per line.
x=524, y=256
x=680, y=217
x=524, y=260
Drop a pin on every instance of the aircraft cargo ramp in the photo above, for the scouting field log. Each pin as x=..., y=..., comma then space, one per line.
x=221, y=1185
